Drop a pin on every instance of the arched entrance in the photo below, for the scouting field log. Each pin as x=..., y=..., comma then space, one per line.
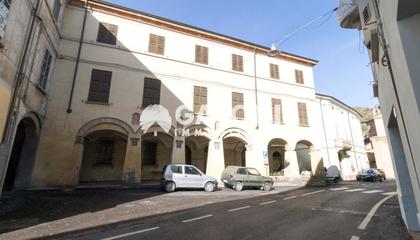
x=156, y=152
x=276, y=156
x=22, y=156
x=303, y=154
x=234, y=151
x=103, y=156
x=196, y=150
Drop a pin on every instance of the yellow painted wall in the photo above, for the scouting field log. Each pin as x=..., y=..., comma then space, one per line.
x=5, y=93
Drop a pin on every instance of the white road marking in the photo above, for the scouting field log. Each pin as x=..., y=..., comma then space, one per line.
x=197, y=218
x=372, y=211
x=289, y=197
x=373, y=191
x=131, y=233
x=310, y=193
x=338, y=189
x=239, y=208
x=264, y=203
x=355, y=190
x=389, y=193
x=354, y=238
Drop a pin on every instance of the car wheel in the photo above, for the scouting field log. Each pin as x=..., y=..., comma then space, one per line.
x=267, y=186
x=336, y=179
x=170, y=186
x=209, y=187
x=239, y=186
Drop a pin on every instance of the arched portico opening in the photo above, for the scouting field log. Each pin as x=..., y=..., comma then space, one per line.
x=103, y=156
x=22, y=156
x=276, y=156
x=156, y=152
x=196, y=150
x=303, y=154
x=234, y=151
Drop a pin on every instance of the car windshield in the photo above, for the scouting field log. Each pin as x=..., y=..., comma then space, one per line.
x=253, y=171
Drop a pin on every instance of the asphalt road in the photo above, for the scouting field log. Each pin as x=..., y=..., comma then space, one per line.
x=333, y=212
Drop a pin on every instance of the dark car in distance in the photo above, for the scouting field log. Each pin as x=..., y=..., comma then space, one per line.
x=371, y=174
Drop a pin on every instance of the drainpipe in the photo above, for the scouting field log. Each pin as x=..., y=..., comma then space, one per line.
x=76, y=68
x=256, y=88
x=13, y=111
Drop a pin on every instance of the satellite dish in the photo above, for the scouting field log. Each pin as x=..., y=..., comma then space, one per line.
x=273, y=52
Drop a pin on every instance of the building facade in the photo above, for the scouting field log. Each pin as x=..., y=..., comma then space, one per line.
x=342, y=141
x=377, y=146
x=27, y=56
x=131, y=92
x=391, y=33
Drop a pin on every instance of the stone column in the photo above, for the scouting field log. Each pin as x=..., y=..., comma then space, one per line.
x=76, y=159
x=292, y=171
x=215, y=160
x=178, y=150
x=132, y=163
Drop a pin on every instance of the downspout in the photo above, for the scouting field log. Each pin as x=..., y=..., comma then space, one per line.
x=256, y=88
x=76, y=68
x=13, y=111
x=325, y=131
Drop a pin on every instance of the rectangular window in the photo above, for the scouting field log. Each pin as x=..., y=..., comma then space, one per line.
x=156, y=44
x=100, y=85
x=45, y=70
x=151, y=92
x=238, y=105
x=4, y=14
x=299, y=77
x=274, y=71
x=149, y=153
x=107, y=33
x=237, y=63
x=200, y=99
x=105, y=152
x=303, y=115
x=277, y=110
x=56, y=9
x=201, y=54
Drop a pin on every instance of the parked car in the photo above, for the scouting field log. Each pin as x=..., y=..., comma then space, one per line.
x=186, y=176
x=333, y=174
x=371, y=174
x=239, y=177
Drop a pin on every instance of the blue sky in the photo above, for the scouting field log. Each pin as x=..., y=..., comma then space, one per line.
x=343, y=69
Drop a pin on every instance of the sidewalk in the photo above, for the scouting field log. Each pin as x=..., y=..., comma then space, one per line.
x=35, y=214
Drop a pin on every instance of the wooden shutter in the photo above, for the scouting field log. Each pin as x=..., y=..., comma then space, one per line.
x=274, y=71
x=303, y=115
x=200, y=98
x=107, y=33
x=238, y=99
x=149, y=153
x=100, y=84
x=156, y=44
x=277, y=110
x=151, y=92
x=237, y=63
x=299, y=76
x=201, y=54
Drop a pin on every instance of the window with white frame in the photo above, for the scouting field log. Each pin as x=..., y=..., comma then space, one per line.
x=45, y=69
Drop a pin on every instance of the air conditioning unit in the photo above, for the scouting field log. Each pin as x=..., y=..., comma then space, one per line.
x=367, y=12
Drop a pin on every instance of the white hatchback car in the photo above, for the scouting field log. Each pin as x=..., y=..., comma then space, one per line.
x=186, y=176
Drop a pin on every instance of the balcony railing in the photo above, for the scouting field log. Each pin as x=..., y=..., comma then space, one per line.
x=4, y=14
x=348, y=14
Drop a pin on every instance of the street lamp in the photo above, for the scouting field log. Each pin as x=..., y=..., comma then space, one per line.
x=273, y=52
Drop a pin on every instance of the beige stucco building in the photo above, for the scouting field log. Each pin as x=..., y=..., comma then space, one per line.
x=131, y=92
x=29, y=38
x=391, y=33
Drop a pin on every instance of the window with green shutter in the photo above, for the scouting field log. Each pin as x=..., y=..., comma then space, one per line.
x=100, y=85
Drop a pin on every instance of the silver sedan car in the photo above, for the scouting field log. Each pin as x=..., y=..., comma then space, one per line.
x=186, y=176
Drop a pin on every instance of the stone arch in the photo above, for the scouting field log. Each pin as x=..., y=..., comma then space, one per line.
x=22, y=156
x=276, y=150
x=235, y=142
x=156, y=128
x=104, y=123
x=303, y=153
x=235, y=132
